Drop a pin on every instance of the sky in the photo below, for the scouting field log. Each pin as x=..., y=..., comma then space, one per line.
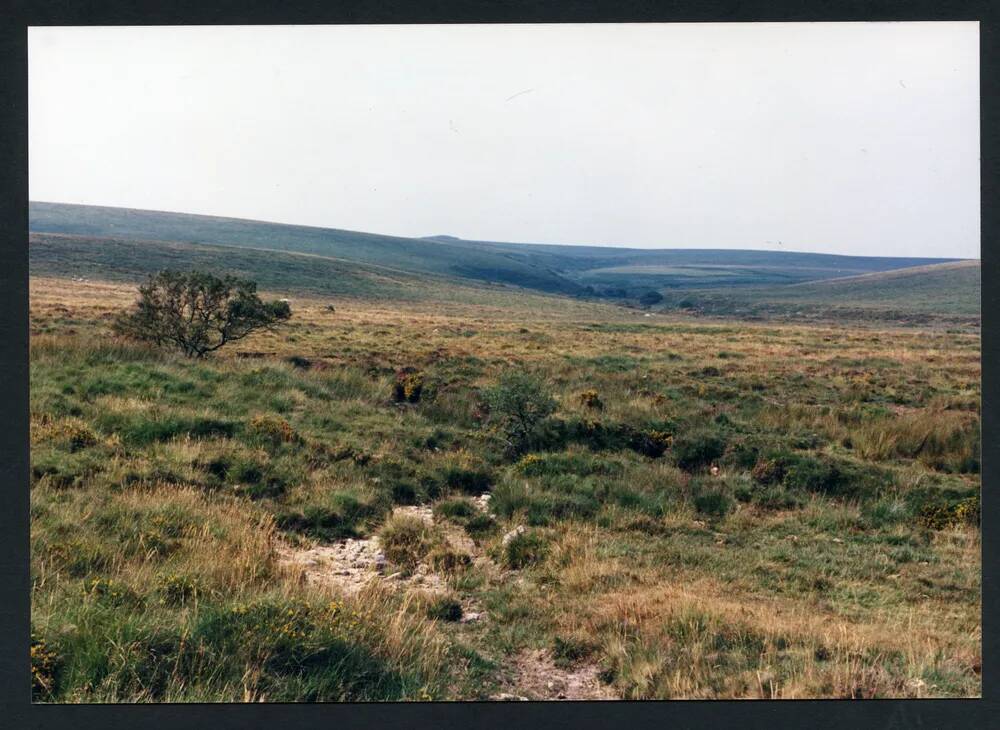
x=853, y=138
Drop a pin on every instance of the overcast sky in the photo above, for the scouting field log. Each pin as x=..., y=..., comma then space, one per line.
x=857, y=138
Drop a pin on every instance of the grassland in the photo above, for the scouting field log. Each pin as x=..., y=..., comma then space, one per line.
x=716, y=509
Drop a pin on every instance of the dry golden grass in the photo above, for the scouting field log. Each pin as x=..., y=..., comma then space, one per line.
x=681, y=605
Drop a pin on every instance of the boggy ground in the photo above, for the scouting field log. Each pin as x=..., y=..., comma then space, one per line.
x=735, y=510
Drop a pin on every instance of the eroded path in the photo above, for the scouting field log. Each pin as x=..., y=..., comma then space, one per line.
x=348, y=565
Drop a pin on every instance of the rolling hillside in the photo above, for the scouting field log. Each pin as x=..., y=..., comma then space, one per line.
x=949, y=292
x=573, y=270
x=401, y=254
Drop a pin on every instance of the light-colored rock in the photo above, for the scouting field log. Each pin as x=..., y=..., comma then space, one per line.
x=519, y=530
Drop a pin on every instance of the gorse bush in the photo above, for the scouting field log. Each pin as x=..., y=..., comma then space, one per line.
x=409, y=386
x=590, y=399
x=271, y=430
x=197, y=312
x=517, y=405
x=44, y=664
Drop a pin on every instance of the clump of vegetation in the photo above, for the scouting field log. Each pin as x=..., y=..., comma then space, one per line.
x=442, y=557
x=768, y=471
x=697, y=449
x=466, y=480
x=111, y=592
x=570, y=650
x=590, y=399
x=457, y=509
x=335, y=516
x=444, y=608
x=517, y=405
x=524, y=548
x=406, y=540
x=197, y=312
x=409, y=386
x=713, y=502
x=652, y=442
x=272, y=430
x=44, y=664
x=178, y=590
x=943, y=515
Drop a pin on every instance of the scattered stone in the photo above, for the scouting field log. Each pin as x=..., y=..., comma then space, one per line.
x=517, y=531
x=350, y=564
x=537, y=675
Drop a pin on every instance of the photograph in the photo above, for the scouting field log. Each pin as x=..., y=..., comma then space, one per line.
x=388, y=363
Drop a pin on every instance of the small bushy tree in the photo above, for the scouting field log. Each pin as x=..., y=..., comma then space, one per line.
x=517, y=405
x=198, y=312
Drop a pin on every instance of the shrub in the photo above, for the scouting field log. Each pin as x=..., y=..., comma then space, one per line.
x=557, y=465
x=112, y=593
x=524, y=549
x=344, y=516
x=559, y=499
x=177, y=590
x=479, y=525
x=590, y=399
x=517, y=405
x=775, y=497
x=651, y=443
x=941, y=515
x=834, y=477
x=444, y=608
x=714, y=503
x=197, y=312
x=443, y=558
x=272, y=430
x=694, y=450
x=44, y=663
x=886, y=512
x=458, y=510
x=571, y=649
x=768, y=471
x=469, y=481
x=406, y=540
x=409, y=386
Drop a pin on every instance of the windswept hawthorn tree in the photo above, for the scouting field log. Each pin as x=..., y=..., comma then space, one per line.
x=198, y=312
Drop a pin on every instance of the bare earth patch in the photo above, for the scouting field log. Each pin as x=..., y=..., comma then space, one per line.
x=536, y=677
x=350, y=564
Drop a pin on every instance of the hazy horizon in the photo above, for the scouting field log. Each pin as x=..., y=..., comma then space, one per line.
x=494, y=240
x=854, y=139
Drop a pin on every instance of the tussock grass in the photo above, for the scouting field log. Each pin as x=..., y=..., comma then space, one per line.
x=798, y=518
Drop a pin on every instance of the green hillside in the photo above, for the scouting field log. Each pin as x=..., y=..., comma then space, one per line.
x=949, y=292
x=401, y=254
x=575, y=270
x=284, y=273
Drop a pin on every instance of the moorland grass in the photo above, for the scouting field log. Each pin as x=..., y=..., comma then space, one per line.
x=792, y=523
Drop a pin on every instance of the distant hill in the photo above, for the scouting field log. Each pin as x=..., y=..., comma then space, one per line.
x=948, y=292
x=573, y=270
x=401, y=254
